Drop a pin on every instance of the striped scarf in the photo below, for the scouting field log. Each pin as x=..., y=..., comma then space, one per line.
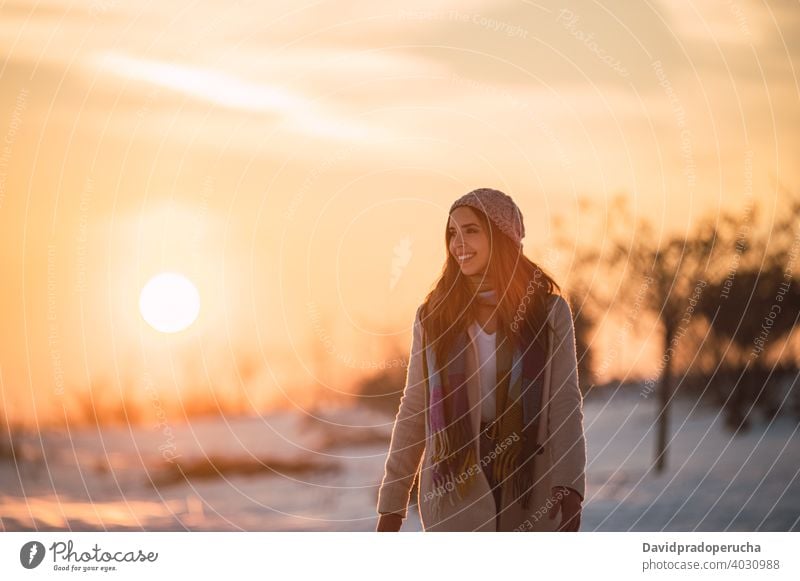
x=518, y=395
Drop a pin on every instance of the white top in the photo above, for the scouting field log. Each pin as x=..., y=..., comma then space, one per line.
x=487, y=370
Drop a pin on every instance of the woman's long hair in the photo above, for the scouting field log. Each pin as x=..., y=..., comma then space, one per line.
x=522, y=288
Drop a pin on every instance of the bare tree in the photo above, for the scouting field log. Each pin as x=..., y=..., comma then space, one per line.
x=676, y=271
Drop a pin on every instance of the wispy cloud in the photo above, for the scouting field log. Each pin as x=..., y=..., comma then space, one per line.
x=708, y=21
x=233, y=92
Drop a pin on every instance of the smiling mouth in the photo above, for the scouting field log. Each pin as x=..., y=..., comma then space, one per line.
x=463, y=258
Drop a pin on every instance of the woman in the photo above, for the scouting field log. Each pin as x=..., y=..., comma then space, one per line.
x=498, y=424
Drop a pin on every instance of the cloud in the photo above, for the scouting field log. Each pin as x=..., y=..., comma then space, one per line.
x=724, y=23
x=230, y=91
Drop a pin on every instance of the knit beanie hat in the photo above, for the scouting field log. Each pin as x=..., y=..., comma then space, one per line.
x=500, y=209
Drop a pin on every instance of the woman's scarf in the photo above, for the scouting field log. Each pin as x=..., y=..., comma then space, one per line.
x=518, y=394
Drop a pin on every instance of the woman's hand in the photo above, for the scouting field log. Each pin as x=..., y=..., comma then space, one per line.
x=389, y=523
x=570, y=504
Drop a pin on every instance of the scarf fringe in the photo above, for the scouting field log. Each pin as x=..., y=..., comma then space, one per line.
x=452, y=487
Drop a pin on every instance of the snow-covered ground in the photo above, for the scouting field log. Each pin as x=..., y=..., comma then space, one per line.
x=322, y=475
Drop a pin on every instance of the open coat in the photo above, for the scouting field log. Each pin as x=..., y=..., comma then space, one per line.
x=563, y=462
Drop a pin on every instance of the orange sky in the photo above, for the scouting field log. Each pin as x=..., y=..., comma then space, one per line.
x=295, y=160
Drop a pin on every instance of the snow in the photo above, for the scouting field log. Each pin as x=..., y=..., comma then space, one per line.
x=103, y=480
x=714, y=481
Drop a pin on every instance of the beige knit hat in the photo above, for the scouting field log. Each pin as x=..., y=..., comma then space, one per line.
x=500, y=209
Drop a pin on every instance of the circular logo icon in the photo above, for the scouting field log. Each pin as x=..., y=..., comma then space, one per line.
x=31, y=554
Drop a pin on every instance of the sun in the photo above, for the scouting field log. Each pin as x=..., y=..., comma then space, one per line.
x=169, y=302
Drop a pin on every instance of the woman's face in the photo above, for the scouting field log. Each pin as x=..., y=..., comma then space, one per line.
x=469, y=241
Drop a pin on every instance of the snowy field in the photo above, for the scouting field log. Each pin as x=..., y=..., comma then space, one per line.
x=285, y=473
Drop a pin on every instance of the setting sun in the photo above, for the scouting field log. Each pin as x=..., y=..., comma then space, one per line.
x=169, y=302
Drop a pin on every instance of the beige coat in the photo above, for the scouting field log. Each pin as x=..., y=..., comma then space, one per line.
x=563, y=462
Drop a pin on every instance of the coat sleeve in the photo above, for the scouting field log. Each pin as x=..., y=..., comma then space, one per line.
x=566, y=405
x=408, y=435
